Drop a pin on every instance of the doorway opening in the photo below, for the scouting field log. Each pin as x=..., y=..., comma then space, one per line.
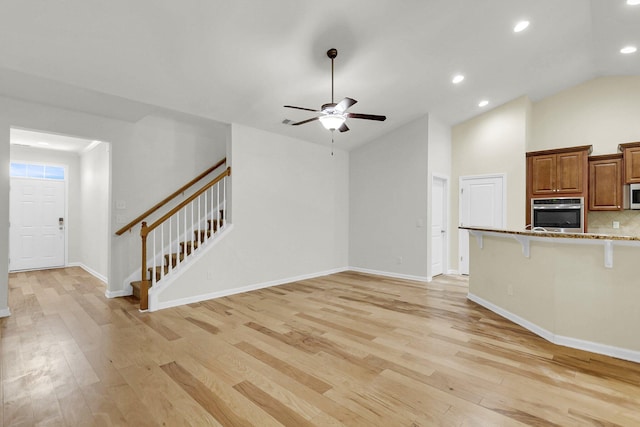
x=439, y=225
x=81, y=226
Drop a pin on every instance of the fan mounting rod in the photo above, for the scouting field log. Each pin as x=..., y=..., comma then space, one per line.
x=332, y=53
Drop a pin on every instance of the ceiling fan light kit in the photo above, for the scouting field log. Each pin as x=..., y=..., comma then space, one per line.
x=332, y=121
x=334, y=116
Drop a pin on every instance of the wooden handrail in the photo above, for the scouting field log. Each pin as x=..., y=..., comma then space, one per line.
x=170, y=197
x=146, y=230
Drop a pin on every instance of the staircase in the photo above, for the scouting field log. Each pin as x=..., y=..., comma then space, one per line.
x=178, y=236
x=186, y=249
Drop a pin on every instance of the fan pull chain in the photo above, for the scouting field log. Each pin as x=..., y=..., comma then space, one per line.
x=332, y=142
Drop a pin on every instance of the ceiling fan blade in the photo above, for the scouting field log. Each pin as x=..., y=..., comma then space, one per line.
x=366, y=116
x=344, y=104
x=301, y=108
x=343, y=128
x=304, y=121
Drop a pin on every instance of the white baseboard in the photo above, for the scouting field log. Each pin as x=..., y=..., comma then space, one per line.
x=120, y=293
x=390, y=274
x=593, y=347
x=5, y=312
x=218, y=294
x=89, y=270
x=453, y=272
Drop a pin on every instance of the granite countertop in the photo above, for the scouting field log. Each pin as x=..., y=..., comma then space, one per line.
x=554, y=234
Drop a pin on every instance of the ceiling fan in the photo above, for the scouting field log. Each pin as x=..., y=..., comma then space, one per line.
x=333, y=116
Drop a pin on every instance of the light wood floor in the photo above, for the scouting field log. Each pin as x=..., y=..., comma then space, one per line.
x=347, y=349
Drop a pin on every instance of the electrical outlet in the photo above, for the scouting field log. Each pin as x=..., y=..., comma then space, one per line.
x=616, y=224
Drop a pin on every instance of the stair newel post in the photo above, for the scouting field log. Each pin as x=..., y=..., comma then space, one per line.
x=144, y=286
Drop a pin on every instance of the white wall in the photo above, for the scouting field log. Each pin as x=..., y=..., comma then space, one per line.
x=290, y=218
x=72, y=161
x=439, y=164
x=388, y=186
x=4, y=215
x=94, y=208
x=150, y=158
x=603, y=112
x=494, y=142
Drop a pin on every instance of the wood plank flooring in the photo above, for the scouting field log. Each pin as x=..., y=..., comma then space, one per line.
x=347, y=349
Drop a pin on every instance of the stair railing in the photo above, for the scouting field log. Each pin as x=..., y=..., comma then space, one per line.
x=167, y=199
x=201, y=215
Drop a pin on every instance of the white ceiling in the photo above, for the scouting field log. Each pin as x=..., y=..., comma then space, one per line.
x=49, y=141
x=241, y=61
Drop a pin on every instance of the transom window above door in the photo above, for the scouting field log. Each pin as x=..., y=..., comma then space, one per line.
x=36, y=171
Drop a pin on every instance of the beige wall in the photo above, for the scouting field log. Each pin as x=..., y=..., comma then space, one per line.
x=563, y=288
x=494, y=142
x=603, y=112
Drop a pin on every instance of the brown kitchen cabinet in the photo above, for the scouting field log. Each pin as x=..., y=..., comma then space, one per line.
x=605, y=182
x=561, y=172
x=631, y=156
x=557, y=172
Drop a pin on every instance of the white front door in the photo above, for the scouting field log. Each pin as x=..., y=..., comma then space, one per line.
x=37, y=224
x=438, y=225
x=482, y=204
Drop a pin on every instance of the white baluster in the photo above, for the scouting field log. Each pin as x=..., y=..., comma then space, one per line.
x=211, y=213
x=218, y=206
x=224, y=199
x=162, y=250
x=206, y=237
x=169, y=246
x=184, y=230
x=153, y=274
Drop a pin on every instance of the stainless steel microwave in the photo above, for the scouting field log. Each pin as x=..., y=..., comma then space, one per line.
x=634, y=196
x=564, y=214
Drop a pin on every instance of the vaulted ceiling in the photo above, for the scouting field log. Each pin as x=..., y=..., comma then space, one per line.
x=241, y=61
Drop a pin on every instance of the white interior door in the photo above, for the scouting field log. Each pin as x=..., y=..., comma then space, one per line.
x=37, y=223
x=438, y=225
x=482, y=204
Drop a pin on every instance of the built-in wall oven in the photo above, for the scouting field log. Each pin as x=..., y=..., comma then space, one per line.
x=634, y=196
x=564, y=214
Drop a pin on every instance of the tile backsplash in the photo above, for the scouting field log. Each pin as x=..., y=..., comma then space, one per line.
x=602, y=222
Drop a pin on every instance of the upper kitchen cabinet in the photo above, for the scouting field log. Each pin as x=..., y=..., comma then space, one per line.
x=605, y=182
x=631, y=155
x=561, y=172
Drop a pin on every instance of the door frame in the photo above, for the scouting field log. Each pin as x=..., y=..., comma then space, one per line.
x=446, y=208
x=464, y=234
x=66, y=207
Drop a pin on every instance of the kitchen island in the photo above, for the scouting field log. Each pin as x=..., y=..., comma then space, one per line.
x=577, y=290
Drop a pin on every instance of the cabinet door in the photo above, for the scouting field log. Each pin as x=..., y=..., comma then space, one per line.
x=632, y=165
x=543, y=174
x=570, y=169
x=605, y=185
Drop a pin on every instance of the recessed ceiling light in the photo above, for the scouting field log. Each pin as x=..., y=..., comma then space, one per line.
x=43, y=143
x=628, y=49
x=633, y=2
x=483, y=103
x=457, y=78
x=520, y=26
